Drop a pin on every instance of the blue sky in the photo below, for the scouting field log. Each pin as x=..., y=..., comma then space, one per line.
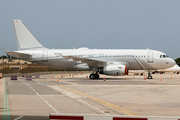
x=109, y=24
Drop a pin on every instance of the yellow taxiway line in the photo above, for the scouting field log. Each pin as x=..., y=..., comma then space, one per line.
x=95, y=99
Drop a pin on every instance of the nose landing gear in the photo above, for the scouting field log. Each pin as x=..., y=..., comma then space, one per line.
x=149, y=75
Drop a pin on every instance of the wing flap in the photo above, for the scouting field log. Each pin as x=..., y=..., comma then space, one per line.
x=18, y=55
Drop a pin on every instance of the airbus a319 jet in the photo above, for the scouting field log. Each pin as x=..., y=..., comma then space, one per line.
x=114, y=62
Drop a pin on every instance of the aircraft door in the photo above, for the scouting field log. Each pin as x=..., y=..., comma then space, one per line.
x=45, y=56
x=150, y=57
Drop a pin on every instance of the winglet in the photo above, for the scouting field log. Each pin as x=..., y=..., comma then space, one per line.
x=24, y=38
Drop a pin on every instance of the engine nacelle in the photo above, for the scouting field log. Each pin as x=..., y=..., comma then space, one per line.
x=82, y=66
x=114, y=70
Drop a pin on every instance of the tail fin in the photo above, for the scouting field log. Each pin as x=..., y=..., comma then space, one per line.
x=24, y=38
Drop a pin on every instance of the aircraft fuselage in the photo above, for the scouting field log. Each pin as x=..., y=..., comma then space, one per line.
x=137, y=59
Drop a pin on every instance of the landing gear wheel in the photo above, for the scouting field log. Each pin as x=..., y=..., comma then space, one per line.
x=96, y=76
x=92, y=76
x=150, y=77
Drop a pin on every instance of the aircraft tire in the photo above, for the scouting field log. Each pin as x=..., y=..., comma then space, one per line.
x=92, y=76
x=96, y=76
x=150, y=77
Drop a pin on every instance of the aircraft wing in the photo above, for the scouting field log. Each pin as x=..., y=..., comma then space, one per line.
x=18, y=55
x=90, y=62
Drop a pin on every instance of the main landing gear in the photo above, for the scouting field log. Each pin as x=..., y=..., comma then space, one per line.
x=149, y=75
x=94, y=76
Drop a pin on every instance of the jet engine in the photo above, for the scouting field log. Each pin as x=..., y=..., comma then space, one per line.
x=114, y=70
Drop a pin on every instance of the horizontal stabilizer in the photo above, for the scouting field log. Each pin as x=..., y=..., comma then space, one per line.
x=18, y=55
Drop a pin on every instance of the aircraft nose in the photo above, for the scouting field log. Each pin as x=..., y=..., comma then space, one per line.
x=172, y=62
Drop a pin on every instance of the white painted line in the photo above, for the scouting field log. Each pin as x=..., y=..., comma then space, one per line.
x=18, y=118
x=41, y=97
x=71, y=96
x=92, y=106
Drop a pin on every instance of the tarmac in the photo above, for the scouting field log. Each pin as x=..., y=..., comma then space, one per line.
x=124, y=95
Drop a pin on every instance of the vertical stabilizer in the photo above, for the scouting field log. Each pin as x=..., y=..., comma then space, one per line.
x=24, y=38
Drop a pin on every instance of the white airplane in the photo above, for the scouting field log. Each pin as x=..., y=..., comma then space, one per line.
x=115, y=62
x=175, y=68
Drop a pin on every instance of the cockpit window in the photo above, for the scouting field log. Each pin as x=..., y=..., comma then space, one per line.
x=163, y=56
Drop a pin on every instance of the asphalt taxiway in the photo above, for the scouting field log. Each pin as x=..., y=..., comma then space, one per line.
x=124, y=95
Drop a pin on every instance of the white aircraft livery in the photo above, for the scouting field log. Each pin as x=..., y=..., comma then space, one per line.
x=115, y=62
x=175, y=68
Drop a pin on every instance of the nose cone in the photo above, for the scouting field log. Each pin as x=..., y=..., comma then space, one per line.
x=164, y=63
x=171, y=62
